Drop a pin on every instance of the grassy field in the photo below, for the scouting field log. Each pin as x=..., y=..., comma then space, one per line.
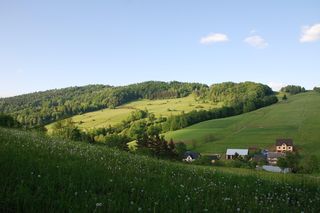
x=298, y=118
x=39, y=174
x=165, y=107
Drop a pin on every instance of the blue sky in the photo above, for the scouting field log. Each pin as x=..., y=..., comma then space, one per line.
x=60, y=43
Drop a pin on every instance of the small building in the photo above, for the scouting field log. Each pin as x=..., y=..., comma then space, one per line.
x=273, y=157
x=284, y=145
x=231, y=153
x=190, y=156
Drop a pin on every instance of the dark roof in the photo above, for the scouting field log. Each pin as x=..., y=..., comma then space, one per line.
x=288, y=142
x=193, y=155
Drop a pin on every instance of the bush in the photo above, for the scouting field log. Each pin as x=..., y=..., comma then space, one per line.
x=310, y=164
x=203, y=160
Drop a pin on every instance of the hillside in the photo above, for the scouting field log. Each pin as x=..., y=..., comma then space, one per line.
x=163, y=107
x=40, y=174
x=298, y=118
x=40, y=108
x=182, y=110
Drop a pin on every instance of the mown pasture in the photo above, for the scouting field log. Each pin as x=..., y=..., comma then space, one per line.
x=297, y=118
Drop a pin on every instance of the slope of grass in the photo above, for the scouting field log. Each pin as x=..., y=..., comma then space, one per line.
x=298, y=118
x=39, y=174
x=165, y=107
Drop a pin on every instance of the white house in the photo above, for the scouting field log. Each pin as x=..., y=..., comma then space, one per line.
x=190, y=156
x=232, y=152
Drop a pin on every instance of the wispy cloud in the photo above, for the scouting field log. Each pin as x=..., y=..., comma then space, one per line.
x=256, y=41
x=276, y=86
x=253, y=31
x=310, y=33
x=214, y=38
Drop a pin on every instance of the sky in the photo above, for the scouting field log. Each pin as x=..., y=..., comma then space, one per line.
x=61, y=43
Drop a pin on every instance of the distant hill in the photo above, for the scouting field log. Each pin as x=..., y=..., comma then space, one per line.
x=41, y=108
x=204, y=104
x=297, y=118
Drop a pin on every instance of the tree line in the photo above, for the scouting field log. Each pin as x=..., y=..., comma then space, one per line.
x=316, y=89
x=41, y=108
x=293, y=89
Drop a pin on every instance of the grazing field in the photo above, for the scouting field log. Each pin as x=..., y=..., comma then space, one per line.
x=297, y=118
x=39, y=174
x=165, y=107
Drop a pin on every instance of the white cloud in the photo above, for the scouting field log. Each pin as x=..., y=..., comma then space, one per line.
x=276, y=86
x=256, y=41
x=214, y=38
x=253, y=31
x=310, y=33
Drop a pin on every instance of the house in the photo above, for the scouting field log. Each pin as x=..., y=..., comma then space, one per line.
x=284, y=145
x=190, y=156
x=231, y=153
x=273, y=157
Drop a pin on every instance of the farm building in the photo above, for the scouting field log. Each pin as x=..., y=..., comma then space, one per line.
x=231, y=153
x=273, y=157
x=284, y=145
x=190, y=156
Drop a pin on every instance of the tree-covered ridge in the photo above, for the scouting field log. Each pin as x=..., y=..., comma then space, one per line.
x=238, y=98
x=41, y=108
x=293, y=89
x=232, y=93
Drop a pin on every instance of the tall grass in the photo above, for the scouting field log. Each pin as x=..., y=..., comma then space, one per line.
x=39, y=174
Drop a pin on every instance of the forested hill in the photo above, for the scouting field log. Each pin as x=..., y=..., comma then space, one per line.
x=41, y=108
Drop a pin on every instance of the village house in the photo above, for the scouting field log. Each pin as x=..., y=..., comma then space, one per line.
x=273, y=157
x=284, y=145
x=190, y=156
x=231, y=153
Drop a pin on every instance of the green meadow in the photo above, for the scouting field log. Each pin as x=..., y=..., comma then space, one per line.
x=297, y=118
x=39, y=174
x=164, y=107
